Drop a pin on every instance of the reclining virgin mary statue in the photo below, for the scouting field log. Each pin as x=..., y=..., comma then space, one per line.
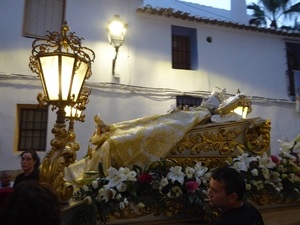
x=141, y=141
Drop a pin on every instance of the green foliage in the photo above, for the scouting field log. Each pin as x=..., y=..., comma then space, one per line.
x=272, y=11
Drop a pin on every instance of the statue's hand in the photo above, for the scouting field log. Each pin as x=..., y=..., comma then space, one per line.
x=97, y=139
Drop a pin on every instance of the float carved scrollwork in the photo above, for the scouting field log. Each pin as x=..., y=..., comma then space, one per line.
x=269, y=199
x=222, y=140
x=132, y=212
x=258, y=138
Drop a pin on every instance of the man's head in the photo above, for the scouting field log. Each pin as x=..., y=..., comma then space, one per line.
x=5, y=179
x=227, y=188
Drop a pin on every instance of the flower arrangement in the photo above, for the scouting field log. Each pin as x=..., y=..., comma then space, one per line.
x=269, y=179
x=164, y=187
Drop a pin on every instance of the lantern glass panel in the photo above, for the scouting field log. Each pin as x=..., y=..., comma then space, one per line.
x=66, y=76
x=50, y=76
x=72, y=112
x=242, y=111
x=79, y=76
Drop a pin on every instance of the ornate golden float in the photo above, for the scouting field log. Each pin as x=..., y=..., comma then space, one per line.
x=211, y=143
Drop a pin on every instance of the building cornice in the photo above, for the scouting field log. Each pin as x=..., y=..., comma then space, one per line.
x=172, y=13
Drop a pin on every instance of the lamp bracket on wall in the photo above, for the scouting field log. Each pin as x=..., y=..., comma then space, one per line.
x=114, y=62
x=116, y=31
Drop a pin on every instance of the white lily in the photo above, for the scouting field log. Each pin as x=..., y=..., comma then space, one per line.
x=176, y=174
x=115, y=177
x=240, y=166
x=131, y=175
x=200, y=170
x=246, y=159
x=265, y=161
x=285, y=146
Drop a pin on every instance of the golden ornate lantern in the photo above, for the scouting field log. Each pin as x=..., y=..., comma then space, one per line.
x=63, y=65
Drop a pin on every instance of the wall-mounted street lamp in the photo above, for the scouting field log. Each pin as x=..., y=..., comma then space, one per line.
x=116, y=31
x=63, y=65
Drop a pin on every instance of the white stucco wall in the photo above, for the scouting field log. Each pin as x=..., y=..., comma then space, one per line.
x=253, y=62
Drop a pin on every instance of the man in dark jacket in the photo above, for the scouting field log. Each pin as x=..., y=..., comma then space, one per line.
x=226, y=192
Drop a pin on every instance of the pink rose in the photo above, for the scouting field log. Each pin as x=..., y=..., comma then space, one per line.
x=191, y=186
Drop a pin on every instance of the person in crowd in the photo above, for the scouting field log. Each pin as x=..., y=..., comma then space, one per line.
x=5, y=188
x=226, y=192
x=32, y=203
x=30, y=163
x=6, y=179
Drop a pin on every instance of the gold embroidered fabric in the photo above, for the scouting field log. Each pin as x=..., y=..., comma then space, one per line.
x=137, y=142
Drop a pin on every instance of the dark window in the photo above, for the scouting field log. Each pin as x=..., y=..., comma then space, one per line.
x=293, y=63
x=181, y=55
x=184, y=48
x=41, y=16
x=32, y=127
x=190, y=101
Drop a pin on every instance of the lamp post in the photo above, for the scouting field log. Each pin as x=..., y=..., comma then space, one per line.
x=116, y=32
x=63, y=65
x=76, y=113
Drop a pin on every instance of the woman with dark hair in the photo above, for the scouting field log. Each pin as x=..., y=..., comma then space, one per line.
x=32, y=203
x=30, y=163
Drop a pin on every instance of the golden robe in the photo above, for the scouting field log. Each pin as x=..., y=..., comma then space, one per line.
x=138, y=142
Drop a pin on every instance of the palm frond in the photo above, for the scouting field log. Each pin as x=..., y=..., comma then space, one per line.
x=293, y=9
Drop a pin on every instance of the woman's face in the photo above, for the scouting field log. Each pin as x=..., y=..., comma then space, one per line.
x=27, y=162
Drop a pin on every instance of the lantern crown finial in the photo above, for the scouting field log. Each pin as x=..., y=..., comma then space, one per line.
x=65, y=28
x=62, y=42
x=62, y=64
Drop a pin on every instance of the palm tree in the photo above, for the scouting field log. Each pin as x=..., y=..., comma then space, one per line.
x=271, y=11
